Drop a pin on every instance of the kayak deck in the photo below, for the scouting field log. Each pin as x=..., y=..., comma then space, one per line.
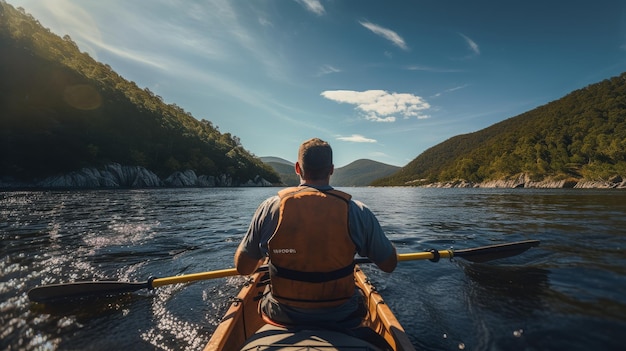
x=243, y=328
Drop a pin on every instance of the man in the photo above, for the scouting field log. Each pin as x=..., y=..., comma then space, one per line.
x=311, y=234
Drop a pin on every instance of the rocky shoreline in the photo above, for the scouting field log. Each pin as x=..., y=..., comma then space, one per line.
x=114, y=176
x=523, y=181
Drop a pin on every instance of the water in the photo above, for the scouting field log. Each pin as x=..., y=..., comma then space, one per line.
x=568, y=293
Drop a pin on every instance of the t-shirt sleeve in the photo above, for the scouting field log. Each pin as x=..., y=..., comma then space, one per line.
x=367, y=234
x=261, y=228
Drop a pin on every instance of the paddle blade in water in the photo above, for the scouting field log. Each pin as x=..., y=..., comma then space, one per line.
x=494, y=252
x=52, y=292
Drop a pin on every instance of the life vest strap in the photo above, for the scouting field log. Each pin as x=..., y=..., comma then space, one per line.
x=278, y=297
x=310, y=277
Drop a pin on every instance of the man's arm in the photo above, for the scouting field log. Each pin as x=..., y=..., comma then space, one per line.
x=249, y=255
x=370, y=239
x=389, y=264
x=245, y=264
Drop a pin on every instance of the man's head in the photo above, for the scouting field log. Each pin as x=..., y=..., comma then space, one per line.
x=315, y=158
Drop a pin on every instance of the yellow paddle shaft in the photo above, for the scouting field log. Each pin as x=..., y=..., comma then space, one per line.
x=193, y=277
x=232, y=271
x=426, y=255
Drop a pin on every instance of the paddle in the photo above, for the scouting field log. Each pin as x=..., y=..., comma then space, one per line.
x=477, y=254
x=52, y=292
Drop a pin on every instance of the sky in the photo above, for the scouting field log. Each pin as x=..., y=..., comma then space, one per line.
x=378, y=80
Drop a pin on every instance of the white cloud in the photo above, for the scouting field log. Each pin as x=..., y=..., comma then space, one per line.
x=379, y=105
x=313, y=6
x=472, y=44
x=386, y=33
x=356, y=138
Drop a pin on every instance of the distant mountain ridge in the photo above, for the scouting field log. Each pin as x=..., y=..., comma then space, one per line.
x=284, y=168
x=361, y=173
x=271, y=159
x=358, y=173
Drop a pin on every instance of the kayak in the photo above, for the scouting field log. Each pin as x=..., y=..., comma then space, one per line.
x=243, y=327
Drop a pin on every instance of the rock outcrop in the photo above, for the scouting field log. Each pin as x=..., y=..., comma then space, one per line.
x=112, y=176
x=257, y=181
x=115, y=175
x=179, y=179
x=189, y=178
x=524, y=181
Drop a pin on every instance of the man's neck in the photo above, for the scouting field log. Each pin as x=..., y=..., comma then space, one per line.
x=323, y=182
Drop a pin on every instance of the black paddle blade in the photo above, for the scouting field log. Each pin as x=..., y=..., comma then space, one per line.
x=56, y=292
x=494, y=252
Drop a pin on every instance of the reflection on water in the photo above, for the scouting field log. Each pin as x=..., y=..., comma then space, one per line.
x=568, y=293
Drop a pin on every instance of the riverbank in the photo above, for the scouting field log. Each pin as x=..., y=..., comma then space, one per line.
x=114, y=176
x=524, y=181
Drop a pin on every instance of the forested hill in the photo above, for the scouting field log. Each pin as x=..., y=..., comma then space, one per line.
x=581, y=136
x=60, y=110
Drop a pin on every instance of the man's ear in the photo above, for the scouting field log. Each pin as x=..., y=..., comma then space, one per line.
x=332, y=169
x=298, y=169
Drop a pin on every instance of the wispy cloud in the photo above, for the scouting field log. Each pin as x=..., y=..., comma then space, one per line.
x=327, y=69
x=456, y=88
x=134, y=56
x=84, y=22
x=385, y=33
x=472, y=44
x=432, y=69
x=263, y=21
x=356, y=138
x=313, y=6
x=379, y=105
x=452, y=89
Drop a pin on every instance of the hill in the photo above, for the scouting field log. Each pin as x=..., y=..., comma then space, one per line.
x=271, y=159
x=60, y=110
x=361, y=173
x=284, y=168
x=357, y=173
x=581, y=136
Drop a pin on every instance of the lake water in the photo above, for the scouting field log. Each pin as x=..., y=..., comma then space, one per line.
x=567, y=294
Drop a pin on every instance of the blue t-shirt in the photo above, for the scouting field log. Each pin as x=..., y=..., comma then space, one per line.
x=365, y=231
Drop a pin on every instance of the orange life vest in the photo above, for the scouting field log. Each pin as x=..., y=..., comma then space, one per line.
x=311, y=252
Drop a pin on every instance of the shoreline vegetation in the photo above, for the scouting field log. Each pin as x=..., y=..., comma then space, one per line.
x=545, y=184
x=115, y=176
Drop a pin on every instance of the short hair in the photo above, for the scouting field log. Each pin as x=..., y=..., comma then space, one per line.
x=316, y=159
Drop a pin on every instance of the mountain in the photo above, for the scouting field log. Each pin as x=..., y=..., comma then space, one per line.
x=361, y=173
x=62, y=111
x=580, y=137
x=357, y=173
x=284, y=168
x=271, y=159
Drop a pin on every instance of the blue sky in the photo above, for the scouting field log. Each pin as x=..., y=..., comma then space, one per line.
x=381, y=80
